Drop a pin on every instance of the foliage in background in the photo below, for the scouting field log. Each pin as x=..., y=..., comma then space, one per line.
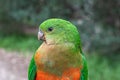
x=97, y=20
x=20, y=43
x=103, y=68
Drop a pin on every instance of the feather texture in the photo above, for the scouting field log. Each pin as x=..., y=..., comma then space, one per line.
x=60, y=56
x=32, y=70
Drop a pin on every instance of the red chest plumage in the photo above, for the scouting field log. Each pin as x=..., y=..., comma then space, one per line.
x=70, y=74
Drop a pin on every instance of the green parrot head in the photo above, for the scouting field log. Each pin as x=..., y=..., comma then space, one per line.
x=58, y=31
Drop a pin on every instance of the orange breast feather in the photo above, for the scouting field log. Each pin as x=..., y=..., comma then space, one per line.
x=70, y=74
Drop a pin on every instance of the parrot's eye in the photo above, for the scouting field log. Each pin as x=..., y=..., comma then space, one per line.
x=50, y=28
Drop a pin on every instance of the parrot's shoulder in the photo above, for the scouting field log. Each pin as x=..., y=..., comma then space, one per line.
x=32, y=70
x=84, y=70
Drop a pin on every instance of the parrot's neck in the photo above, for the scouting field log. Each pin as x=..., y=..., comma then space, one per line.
x=57, y=58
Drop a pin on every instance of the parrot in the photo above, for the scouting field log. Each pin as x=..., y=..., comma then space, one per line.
x=60, y=56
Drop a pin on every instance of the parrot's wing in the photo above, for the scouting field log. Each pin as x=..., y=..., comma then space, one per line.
x=84, y=71
x=32, y=70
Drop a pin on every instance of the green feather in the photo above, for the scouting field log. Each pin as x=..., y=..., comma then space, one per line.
x=63, y=32
x=32, y=70
x=84, y=71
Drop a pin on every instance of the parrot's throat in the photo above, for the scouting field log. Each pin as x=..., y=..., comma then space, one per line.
x=57, y=40
x=57, y=58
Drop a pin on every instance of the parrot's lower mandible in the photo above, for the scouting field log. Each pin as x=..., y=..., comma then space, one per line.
x=60, y=56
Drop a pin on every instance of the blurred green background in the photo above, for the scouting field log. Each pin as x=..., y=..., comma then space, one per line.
x=98, y=22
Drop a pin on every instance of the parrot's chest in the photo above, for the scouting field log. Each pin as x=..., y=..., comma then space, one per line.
x=56, y=59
